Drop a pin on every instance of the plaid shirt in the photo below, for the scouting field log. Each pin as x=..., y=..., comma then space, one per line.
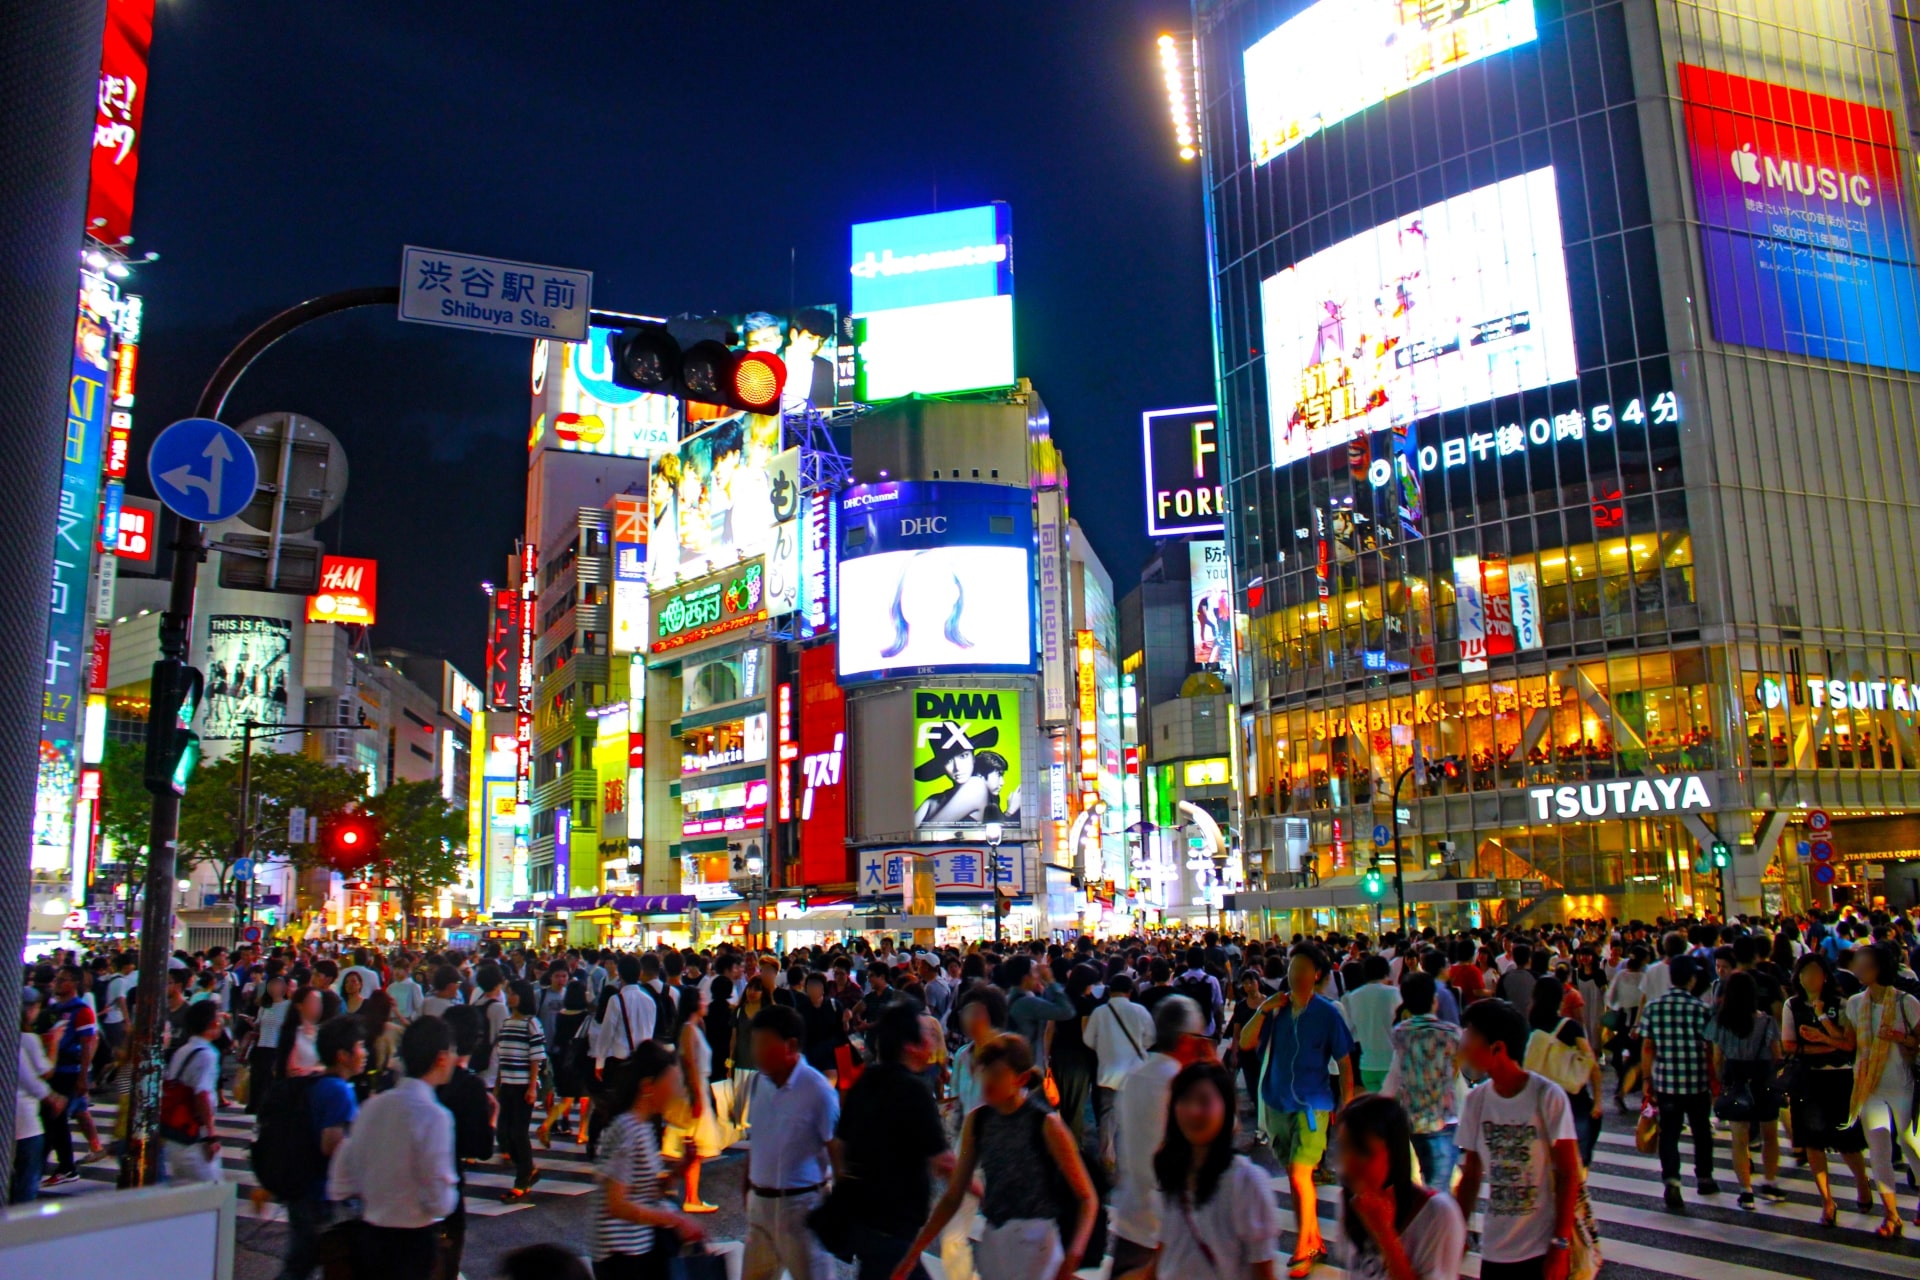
x=1677, y=1025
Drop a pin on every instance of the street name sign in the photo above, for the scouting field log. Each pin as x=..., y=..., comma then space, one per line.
x=493, y=295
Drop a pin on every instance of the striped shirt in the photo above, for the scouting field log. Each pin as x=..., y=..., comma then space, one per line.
x=521, y=1049
x=630, y=1156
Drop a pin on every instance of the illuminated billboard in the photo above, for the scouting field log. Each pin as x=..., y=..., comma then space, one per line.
x=1804, y=222
x=823, y=755
x=1457, y=303
x=727, y=601
x=966, y=759
x=349, y=591
x=935, y=576
x=249, y=661
x=715, y=498
x=1211, y=598
x=119, y=109
x=578, y=409
x=933, y=298
x=74, y=524
x=1184, y=492
x=1338, y=57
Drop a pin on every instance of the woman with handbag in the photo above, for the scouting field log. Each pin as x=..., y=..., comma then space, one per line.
x=1625, y=998
x=635, y=1236
x=1557, y=1048
x=572, y=1062
x=1818, y=1081
x=1744, y=1042
x=1881, y=1021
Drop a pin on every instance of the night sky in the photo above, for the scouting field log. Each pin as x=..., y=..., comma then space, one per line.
x=695, y=157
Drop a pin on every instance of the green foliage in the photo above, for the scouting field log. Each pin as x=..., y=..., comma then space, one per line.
x=278, y=784
x=126, y=806
x=422, y=841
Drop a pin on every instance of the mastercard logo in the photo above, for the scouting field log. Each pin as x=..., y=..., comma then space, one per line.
x=579, y=428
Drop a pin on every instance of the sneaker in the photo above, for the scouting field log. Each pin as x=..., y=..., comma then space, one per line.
x=1770, y=1193
x=1675, y=1202
x=1707, y=1187
x=1744, y=1200
x=59, y=1179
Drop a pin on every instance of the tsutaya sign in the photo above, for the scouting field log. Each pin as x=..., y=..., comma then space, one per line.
x=1623, y=798
x=1845, y=695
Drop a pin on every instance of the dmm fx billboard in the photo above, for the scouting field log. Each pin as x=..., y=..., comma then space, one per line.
x=935, y=576
x=933, y=302
x=958, y=870
x=1184, y=492
x=1804, y=223
x=1650, y=797
x=966, y=759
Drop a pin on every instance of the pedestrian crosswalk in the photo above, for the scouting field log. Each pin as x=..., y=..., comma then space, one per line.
x=565, y=1171
x=1713, y=1239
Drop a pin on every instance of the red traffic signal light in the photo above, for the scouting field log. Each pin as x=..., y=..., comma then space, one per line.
x=649, y=358
x=349, y=841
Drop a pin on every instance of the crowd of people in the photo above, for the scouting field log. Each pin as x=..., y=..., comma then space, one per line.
x=1025, y=1112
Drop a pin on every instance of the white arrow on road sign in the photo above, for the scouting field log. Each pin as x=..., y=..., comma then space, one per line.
x=183, y=478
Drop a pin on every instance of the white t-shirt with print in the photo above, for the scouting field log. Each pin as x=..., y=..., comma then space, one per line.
x=1514, y=1139
x=1228, y=1235
x=1434, y=1241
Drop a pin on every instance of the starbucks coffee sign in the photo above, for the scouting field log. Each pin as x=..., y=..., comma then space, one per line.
x=1623, y=798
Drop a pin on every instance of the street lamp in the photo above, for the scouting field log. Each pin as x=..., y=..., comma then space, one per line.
x=995, y=834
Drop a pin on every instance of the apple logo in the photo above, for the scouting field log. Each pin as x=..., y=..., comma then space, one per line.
x=1746, y=165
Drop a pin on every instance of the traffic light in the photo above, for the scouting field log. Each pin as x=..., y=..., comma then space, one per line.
x=648, y=357
x=173, y=748
x=1721, y=855
x=349, y=841
x=1373, y=884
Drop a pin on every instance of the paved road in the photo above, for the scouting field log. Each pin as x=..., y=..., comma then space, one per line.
x=1638, y=1238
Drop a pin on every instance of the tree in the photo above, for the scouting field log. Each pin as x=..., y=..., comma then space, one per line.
x=278, y=783
x=422, y=842
x=126, y=806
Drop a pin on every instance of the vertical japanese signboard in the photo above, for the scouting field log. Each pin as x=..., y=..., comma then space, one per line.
x=73, y=535
x=823, y=752
x=118, y=110
x=523, y=722
x=1052, y=530
x=502, y=651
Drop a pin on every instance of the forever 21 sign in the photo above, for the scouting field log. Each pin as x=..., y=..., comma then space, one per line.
x=1623, y=798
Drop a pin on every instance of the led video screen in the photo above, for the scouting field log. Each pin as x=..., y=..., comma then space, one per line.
x=1457, y=303
x=1339, y=57
x=1804, y=225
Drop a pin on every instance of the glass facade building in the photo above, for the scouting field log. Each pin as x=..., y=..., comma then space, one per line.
x=1566, y=354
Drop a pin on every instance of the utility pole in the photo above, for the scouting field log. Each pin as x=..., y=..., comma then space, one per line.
x=49, y=83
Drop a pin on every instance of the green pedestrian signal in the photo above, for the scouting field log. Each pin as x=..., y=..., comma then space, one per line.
x=173, y=748
x=1373, y=884
x=1722, y=858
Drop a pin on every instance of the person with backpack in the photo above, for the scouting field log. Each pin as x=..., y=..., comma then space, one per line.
x=189, y=1095
x=1033, y=1174
x=888, y=1145
x=666, y=1000
x=1201, y=987
x=398, y=1162
x=302, y=1121
x=492, y=1004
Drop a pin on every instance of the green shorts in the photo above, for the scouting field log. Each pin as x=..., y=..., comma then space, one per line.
x=1294, y=1143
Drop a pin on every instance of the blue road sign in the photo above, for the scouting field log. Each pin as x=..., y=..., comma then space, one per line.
x=1804, y=849
x=243, y=869
x=203, y=470
x=1381, y=836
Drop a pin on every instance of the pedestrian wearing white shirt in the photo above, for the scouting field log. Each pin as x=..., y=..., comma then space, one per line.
x=1120, y=1033
x=1140, y=1123
x=29, y=1091
x=397, y=1161
x=626, y=1021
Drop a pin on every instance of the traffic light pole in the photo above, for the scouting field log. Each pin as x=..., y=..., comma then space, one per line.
x=141, y=1165
x=243, y=842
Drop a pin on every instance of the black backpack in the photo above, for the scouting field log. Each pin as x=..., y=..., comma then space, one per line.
x=482, y=1057
x=666, y=1014
x=1063, y=1191
x=1198, y=990
x=287, y=1159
